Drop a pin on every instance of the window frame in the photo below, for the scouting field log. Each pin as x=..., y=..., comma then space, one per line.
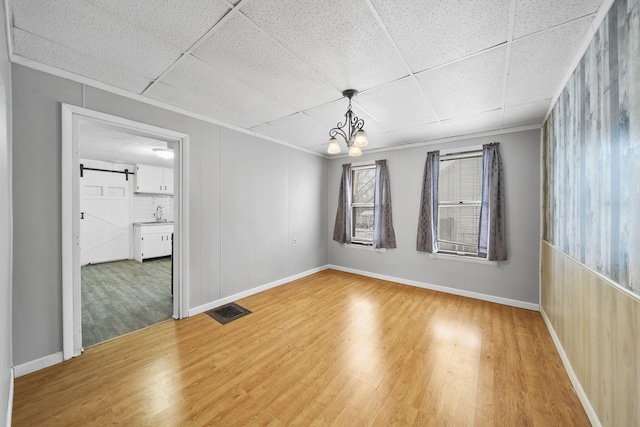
x=458, y=154
x=354, y=168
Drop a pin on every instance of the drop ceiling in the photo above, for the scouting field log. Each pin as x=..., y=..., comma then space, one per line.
x=110, y=143
x=426, y=70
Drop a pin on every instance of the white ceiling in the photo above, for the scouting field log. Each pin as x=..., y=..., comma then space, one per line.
x=425, y=69
x=109, y=143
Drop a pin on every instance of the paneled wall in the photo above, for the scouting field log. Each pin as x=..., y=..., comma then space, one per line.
x=591, y=257
x=598, y=327
x=248, y=198
x=592, y=154
x=515, y=281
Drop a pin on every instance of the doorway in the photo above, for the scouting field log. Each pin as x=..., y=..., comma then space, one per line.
x=121, y=291
x=107, y=234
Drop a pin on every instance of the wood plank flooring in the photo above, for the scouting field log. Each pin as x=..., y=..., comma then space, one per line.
x=123, y=296
x=329, y=349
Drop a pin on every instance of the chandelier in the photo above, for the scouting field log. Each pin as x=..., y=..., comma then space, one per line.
x=351, y=130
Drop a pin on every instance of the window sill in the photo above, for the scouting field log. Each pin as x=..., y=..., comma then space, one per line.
x=452, y=257
x=364, y=247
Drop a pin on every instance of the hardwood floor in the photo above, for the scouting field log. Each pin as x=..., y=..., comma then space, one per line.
x=123, y=296
x=330, y=349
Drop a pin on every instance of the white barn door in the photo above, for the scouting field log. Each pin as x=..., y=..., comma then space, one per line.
x=105, y=224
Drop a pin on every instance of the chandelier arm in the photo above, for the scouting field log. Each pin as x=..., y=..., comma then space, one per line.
x=357, y=124
x=338, y=131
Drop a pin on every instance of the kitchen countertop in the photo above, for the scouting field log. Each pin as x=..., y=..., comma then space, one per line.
x=153, y=223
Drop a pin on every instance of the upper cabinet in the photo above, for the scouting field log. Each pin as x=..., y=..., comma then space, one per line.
x=167, y=175
x=154, y=179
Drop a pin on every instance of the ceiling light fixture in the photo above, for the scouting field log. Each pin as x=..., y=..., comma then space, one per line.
x=165, y=153
x=354, y=135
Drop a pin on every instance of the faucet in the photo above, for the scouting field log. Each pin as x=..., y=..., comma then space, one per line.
x=159, y=213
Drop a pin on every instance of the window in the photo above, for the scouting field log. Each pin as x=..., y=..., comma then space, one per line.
x=459, y=201
x=362, y=198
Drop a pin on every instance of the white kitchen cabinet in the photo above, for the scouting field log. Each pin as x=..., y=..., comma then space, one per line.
x=151, y=240
x=168, y=180
x=154, y=179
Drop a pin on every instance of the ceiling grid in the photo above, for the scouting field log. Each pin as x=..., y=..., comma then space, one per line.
x=426, y=71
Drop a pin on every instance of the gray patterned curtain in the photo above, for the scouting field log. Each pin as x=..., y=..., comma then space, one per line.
x=342, y=228
x=492, y=235
x=383, y=234
x=428, y=216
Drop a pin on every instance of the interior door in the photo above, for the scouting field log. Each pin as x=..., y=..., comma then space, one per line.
x=105, y=225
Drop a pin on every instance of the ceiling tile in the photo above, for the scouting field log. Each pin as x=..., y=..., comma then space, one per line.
x=299, y=129
x=99, y=141
x=472, y=85
x=397, y=105
x=92, y=31
x=431, y=33
x=178, y=22
x=484, y=122
x=199, y=103
x=340, y=39
x=540, y=62
x=330, y=114
x=196, y=77
x=38, y=49
x=538, y=15
x=410, y=135
x=525, y=114
x=241, y=49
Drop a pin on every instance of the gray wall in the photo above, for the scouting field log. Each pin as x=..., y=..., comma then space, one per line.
x=515, y=279
x=248, y=199
x=5, y=225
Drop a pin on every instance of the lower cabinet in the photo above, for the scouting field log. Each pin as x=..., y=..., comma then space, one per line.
x=151, y=241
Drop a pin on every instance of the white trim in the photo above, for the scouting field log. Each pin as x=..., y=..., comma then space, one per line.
x=363, y=247
x=443, y=140
x=36, y=365
x=445, y=289
x=363, y=165
x=470, y=259
x=541, y=219
x=182, y=199
x=71, y=315
x=17, y=59
x=253, y=291
x=603, y=10
x=605, y=279
x=10, y=400
x=68, y=240
x=591, y=413
x=124, y=122
x=462, y=150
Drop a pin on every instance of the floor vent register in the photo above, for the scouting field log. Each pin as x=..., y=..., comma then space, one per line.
x=228, y=313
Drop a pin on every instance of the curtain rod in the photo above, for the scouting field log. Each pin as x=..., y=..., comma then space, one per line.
x=462, y=153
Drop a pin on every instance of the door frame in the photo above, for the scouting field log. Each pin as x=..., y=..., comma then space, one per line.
x=71, y=277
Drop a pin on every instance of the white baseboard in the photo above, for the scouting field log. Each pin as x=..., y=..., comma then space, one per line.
x=52, y=359
x=252, y=291
x=445, y=289
x=591, y=413
x=36, y=365
x=10, y=400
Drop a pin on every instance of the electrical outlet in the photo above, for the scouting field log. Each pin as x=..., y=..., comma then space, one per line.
x=295, y=241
